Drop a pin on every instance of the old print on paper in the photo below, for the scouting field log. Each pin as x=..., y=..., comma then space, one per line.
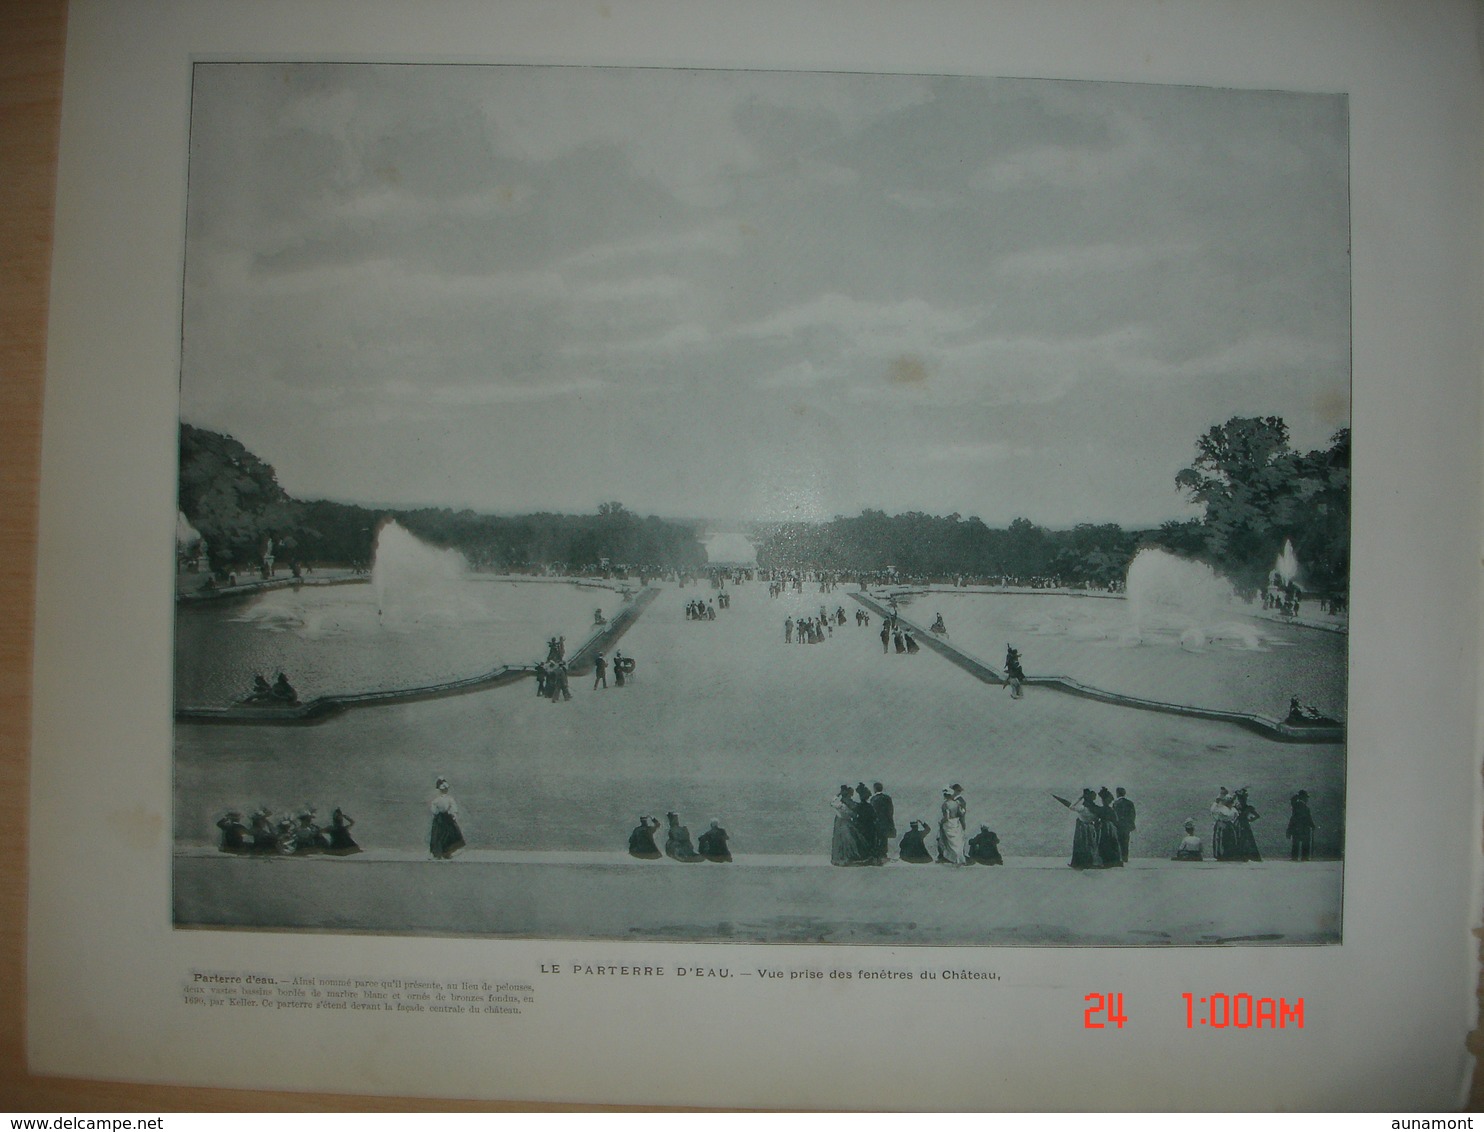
x=762, y=507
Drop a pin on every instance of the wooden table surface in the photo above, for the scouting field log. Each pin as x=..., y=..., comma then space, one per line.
x=32, y=34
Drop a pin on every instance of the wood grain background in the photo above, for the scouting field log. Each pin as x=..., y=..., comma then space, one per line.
x=32, y=34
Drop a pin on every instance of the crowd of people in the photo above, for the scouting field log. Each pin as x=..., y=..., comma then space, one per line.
x=1106, y=821
x=894, y=635
x=1232, y=837
x=1105, y=825
x=698, y=610
x=781, y=582
x=864, y=831
x=288, y=836
x=1286, y=600
x=812, y=630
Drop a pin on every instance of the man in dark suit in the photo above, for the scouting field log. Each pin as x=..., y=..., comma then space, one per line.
x=1123, y=817
x=1301, y=827
x=883, y=822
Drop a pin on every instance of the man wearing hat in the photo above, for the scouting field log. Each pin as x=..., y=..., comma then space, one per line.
x=1301, y=827
x=912, y=848
x=1123, y=817
x=641, y=841
x=883, y=822
x=235, y=836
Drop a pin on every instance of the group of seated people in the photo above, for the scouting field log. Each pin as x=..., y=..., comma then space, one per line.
x=278, y=692
x=983, y=847
x=288, y=836
x=710, y=846
x=1306, y=715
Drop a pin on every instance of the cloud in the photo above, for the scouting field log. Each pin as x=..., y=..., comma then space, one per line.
x=494, y=393
x=383, y=204
x=716, y=239
x=965, y=453
x=798, y=375
x=1255, y=353
x=860, y=321
x=679, y=338
x=1075, y=262
x=692, y=150
x=920, y=200
x=1103, y=166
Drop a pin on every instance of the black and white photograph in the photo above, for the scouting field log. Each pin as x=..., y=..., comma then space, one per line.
x=916, y=555
x=925, y=496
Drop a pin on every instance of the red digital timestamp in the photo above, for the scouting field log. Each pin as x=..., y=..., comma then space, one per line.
x=1214, y=1011
x=1242, y=1012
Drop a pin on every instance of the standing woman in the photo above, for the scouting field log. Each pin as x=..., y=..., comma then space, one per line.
x=1014, y=674
x=1085, y=836
x=1109, y=851
x=846, y=844
x=1245, y=815
x=1224, y=828
x=953, y=842
x=446, y=838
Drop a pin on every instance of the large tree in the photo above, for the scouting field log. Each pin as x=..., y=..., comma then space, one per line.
x=1259, y=493
x=233, y=498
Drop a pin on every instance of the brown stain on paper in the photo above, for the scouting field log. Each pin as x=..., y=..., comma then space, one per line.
x=908, y=369
x=1333, y=407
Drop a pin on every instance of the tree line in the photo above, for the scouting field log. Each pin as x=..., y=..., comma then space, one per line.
x=1256, y=493
x=233, y=499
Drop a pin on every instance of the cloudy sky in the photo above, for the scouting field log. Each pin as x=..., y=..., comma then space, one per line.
x=757, y=295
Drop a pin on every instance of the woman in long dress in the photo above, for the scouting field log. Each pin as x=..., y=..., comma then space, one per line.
x=1109, y=851
x=1085, y=836
x=1245, y=815
x=445, y=838
x=953, y=841
x=847, y=846
x=865, y=825
x=1224, y=828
